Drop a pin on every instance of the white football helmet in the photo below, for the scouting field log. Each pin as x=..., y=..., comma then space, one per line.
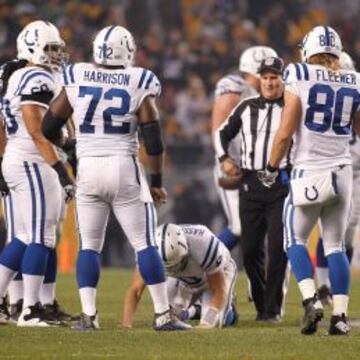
x=321, y=40
x=173, y=247
x=251, y=58
x=346, y=62
x=114, y=46
x=40, y=43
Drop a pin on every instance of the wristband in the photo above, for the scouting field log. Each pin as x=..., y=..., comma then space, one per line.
x=271, y=169
x=156, y=180
x=60, y=169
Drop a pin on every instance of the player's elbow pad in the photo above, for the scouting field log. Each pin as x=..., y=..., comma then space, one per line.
x=151, y=133
x=51, y=127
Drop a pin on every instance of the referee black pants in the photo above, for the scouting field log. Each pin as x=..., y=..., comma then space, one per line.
x=261, y=215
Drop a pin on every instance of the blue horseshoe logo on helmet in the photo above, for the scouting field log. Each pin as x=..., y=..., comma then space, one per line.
x=316, y=193
x=31, y=43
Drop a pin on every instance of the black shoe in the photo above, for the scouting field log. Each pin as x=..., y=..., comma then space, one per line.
x=324, y=295
x=166, y=321
x=15, y=310
x=4, y=312
x=339, y=325
x=35, y=316
x=261, y=316
x=55, y=311
x=273, y=319
x=313, y=314
x=87, y=323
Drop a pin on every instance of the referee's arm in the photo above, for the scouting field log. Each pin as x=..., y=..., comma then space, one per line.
x=227, y=131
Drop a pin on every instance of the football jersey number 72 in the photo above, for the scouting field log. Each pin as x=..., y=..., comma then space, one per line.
x=96, y=94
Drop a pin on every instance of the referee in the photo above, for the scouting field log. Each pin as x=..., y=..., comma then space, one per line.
x=257, y=119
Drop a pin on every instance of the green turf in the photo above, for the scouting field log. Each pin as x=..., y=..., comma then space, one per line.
x=249, y=340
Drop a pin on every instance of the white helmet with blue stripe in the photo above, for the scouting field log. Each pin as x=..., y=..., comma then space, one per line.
x=321, y=40
x=40, y=43
x=252, y=57
x=173, y=247
x=114, y=46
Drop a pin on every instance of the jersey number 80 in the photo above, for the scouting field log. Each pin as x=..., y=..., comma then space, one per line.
x=332, y=109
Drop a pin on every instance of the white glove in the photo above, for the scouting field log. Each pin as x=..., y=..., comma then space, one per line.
x=268, y=176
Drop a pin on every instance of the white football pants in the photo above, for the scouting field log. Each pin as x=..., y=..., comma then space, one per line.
x=117, y=183
x=333, y=217
x=34, y=203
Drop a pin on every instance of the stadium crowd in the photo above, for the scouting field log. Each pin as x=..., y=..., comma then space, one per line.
x=189, y=44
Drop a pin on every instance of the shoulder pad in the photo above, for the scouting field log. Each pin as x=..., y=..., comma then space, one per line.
x=148, y=82
x=34, y=81
x=230, y=84
x=68, y=76
x=296, y=72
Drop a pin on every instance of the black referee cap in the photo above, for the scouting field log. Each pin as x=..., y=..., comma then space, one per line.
x=274, y=64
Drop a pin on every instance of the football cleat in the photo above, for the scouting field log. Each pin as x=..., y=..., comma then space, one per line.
x=35, y=316
x=87, y=323
x=339, y=325
x=55, y=311
x=313, y=314
x=324, y=295
x=15, y=310
x=4, y=313
x=168, y=322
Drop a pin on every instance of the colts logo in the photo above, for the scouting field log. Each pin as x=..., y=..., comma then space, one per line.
x=314, y=197
x=258, y=56
x=27, y=41
x=105, y=52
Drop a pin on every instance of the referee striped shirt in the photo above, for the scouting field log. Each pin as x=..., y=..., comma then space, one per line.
x=257, y=119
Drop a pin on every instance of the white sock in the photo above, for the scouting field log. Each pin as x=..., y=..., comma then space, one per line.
x=88, y=300
x=32, y=286
x=340, y=304
x=16, y=291
x=47, y=293
x=307, y=288
x=6, y=275
x=159, y=296
x=322, y=276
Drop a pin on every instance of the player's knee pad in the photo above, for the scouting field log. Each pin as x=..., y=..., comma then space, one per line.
x=12, y=254
x=88, y=268
x=150, y=266
x=331, y=247
x=91, y=243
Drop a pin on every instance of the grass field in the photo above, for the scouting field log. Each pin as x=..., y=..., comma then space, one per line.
x=249, y=340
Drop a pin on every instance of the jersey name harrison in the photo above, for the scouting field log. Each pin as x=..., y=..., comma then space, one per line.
x=106, y=78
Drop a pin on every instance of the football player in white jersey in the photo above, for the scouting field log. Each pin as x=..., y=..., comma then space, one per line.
x=321, y=108
x=229, y=91
x=48, y=289
x=199, y=267
x=31, y=167
x=322, y=273
x=109, y=101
